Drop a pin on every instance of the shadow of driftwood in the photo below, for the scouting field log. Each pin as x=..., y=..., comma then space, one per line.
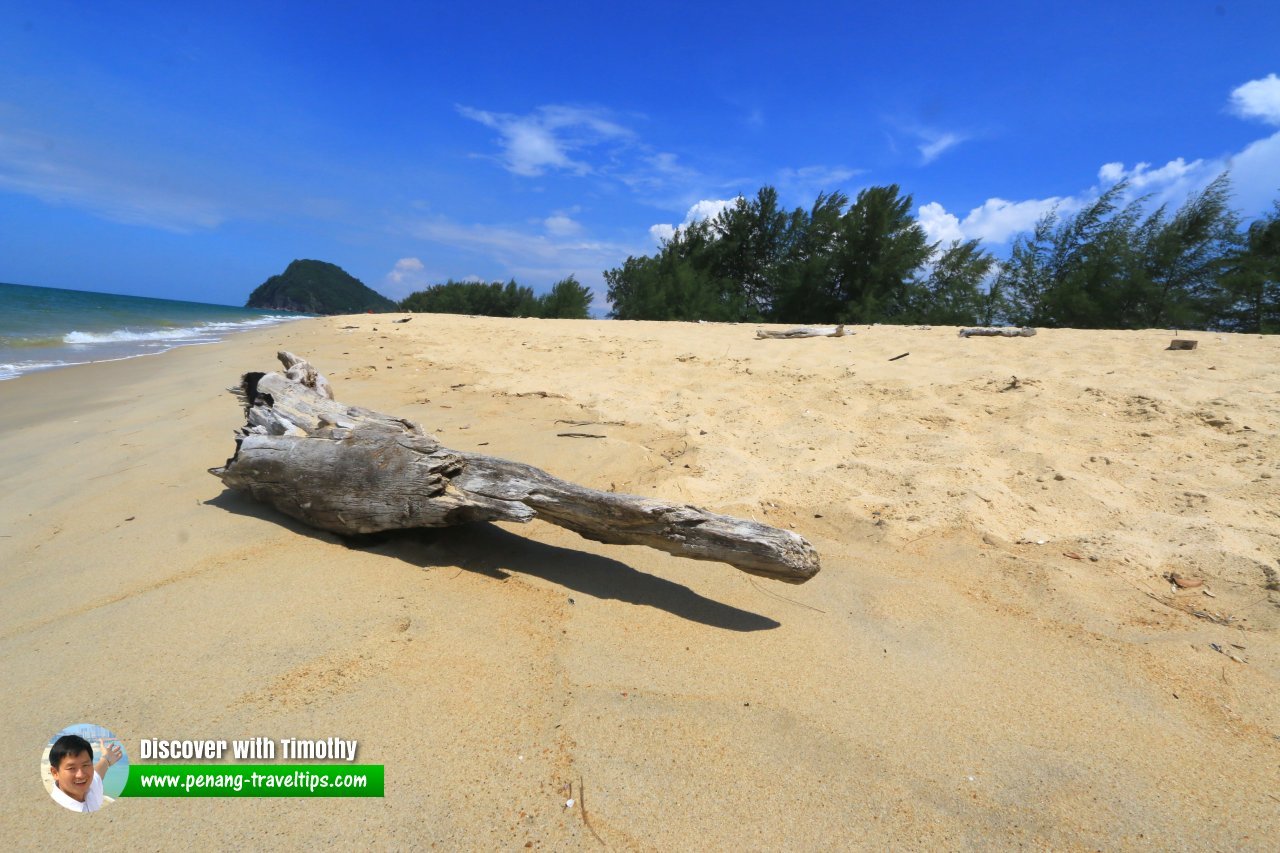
x=239, y=504
x=489, y=550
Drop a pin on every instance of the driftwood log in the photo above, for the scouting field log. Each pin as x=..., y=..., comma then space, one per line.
x=1026, y=332
x=805, y=332
x=352, y=471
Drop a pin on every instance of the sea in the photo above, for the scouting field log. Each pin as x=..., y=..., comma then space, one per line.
x=42, y=328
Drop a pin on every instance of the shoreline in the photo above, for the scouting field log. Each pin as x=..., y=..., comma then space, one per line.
x=13, y=369
x=42, y=367
x=943, y=682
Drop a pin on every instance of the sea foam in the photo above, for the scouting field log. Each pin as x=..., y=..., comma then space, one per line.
x=202, y=331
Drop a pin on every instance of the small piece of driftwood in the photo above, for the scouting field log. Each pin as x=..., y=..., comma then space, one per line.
x=1025, y=332
x=805, y=332
x=352, y=471
x=1183, y=343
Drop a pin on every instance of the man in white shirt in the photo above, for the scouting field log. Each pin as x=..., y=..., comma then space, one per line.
x=77, y=781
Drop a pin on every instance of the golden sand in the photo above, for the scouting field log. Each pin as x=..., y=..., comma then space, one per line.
x=992, y=656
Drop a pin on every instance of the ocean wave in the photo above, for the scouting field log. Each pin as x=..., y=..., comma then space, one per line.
x=9, y=371
x=79, y=347
x=199, y=332
x=16, y=342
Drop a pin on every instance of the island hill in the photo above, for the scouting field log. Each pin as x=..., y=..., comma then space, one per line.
x=317, y=287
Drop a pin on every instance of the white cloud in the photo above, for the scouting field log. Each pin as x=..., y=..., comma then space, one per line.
x=560, y=225
x=1170, y=184
x=656, y=176
x=820, y=176
x=408, y=275
x=994, y=221
x=939, y=225
x=1142, y=176
x=1255, y=175
x=804, y=183
x=1111, y=173
x=535, y=258
x=666, y=163
x=997, y=220
x=547, y=138
x=1255, y=171
x=580, y=141
x=1255, y=180
x=709, y=209
x=931, y=142
x=516, y=249
x=705, y=209
x=56, y=173
x=662, y=231
x=935, y=144
x=405, y=268
x=1258, y=99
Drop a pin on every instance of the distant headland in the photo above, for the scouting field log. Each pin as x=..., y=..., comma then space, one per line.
x=317, y=287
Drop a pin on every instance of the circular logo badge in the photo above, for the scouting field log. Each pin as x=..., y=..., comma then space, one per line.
x=84, y=767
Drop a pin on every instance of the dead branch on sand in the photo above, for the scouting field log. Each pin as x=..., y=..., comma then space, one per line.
x=351, y=470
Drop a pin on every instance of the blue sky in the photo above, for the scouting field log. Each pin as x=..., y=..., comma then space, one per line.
x=192, y=151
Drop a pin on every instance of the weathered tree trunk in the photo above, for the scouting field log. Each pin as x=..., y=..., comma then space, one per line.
x=805, y=332
x=350, y=470
x=1025, y=332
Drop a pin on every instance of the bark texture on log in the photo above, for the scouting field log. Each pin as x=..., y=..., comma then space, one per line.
x=805, y=332
x=1025, y=332
x=351, y=470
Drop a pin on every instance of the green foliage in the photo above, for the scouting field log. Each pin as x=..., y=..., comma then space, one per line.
x=492, y=299
x=951, y=294
x=750, y=246
x=806, y=285
x=316, y=287
x=1113, y=264
x=880, y=248
x=1058, y=275
x=1252, y=279
x=1110, y=267
x=1177, y=278
x=567, y=299
x=755, y=261
x=680, y=283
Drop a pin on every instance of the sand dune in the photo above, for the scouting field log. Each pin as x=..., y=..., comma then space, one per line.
x=992, y=655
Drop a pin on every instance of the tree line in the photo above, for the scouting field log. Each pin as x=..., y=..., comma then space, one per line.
x=1110, y=265
x=567, y=299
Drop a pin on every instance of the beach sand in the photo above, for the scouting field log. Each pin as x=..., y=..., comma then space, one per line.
x=991, y=656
